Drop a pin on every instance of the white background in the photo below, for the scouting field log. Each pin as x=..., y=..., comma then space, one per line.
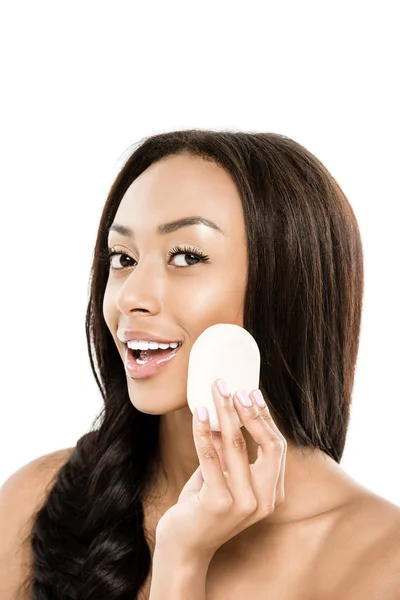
x=82, y=81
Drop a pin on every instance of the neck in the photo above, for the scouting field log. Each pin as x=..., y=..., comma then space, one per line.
x=314, y=483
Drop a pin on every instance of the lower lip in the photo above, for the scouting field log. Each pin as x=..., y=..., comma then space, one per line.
x=149, y=369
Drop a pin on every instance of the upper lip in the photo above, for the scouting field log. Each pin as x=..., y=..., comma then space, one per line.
x=126, y=335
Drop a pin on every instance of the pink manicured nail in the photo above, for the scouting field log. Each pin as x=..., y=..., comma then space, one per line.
x=258, y=397
x=202, y=413
x=244, y=398
x=223, y=388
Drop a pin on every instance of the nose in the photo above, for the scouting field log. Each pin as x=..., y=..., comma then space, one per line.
x=141, y=291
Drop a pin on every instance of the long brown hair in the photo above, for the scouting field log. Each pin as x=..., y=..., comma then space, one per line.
x=303, y=306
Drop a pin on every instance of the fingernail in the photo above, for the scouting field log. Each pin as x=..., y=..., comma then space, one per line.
x=223, y=388
x=244, y=398
x=202, y=413
x=258, y=397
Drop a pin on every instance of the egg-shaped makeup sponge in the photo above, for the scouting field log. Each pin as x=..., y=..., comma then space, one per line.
x=222, y=351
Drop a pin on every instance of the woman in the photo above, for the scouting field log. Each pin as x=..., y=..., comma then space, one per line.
x=275, y=248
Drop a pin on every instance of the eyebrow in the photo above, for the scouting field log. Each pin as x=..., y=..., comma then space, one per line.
x=170, y=227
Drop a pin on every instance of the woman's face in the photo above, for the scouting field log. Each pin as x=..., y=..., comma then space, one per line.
x=175, y=298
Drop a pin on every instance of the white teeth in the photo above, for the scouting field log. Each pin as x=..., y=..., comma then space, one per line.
x=142, y=345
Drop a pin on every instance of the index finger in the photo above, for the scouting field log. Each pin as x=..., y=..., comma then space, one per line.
x=209, y=459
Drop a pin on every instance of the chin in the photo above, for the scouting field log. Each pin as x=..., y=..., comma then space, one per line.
x=149, y=400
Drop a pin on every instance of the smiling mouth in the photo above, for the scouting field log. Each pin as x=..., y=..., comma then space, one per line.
x=144, y=356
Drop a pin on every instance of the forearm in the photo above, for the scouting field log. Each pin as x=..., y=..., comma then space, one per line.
x=177, y=576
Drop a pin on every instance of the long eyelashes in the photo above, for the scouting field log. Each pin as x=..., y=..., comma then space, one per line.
x=107, y=255
x=186, y=250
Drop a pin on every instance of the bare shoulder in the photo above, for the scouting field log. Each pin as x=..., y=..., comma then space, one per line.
x=30, y=482
x=21, y=496
x=362, y=553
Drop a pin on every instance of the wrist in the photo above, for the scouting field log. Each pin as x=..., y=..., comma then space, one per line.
x=179, y=555
x=176, y=549
x=178, y=574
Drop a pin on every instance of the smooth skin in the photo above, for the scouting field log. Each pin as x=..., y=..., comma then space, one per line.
x=331, y=538
x=329, y=533
x=215, y=506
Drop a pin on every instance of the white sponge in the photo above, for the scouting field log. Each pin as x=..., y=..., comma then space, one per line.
x=222, y=351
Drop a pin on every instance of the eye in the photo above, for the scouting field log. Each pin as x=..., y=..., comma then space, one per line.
x=194, y=254
x=117, y=260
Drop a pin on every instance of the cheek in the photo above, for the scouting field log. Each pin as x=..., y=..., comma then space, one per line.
x=201, y=305
x=109, y=312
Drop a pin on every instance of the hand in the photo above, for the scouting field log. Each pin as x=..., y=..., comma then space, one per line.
x=220, y=501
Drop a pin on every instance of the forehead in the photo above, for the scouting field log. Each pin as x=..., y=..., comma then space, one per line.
x=180, y=186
